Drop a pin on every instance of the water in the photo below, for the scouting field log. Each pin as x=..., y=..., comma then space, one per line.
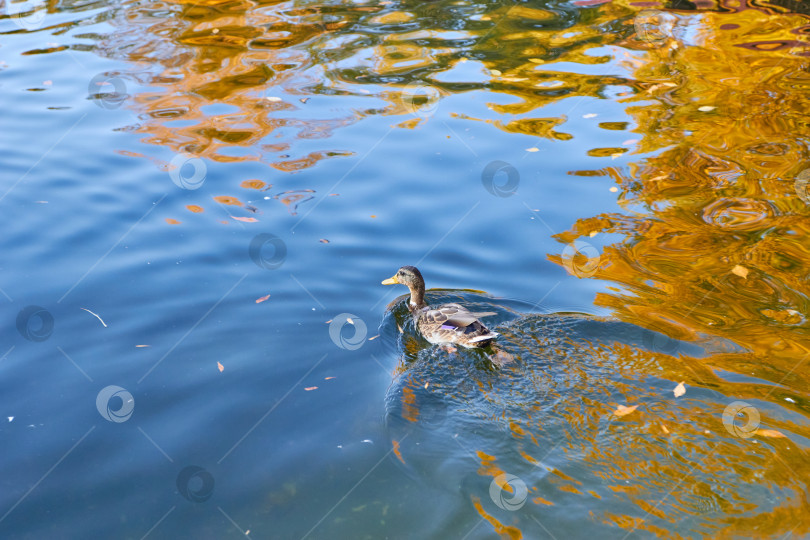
x=625, y=188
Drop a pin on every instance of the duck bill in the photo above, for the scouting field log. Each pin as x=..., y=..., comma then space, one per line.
x=391, y=281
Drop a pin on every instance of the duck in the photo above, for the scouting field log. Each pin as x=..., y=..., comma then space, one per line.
x=450, y=324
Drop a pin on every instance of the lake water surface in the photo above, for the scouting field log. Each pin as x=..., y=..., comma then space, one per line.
x=200, y=199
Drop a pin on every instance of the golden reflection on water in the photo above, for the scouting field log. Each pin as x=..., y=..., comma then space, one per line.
x=716, y=240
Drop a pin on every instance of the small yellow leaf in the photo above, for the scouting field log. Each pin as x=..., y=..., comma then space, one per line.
x=262, y=299
x=309, y=388
x=621, y=410
x=770, y=433
x=171, y=221
x=372, y=338
x=221, y=367
x=664, y=429
x=142, y=345
x=533, y=149
x=740, y=271
x=245, y=219
x=679, y=390
x=328, y=378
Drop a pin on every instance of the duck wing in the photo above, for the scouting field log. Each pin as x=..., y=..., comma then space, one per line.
x=453, y=323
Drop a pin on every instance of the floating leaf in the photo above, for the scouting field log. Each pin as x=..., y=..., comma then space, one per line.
x=664, y=429
x=142, y=345
x=770, y=433
x=245, y=219
x=309, y=388
x=740, y=271
x=372, y=338
x=621, y=410
x=589, y=115
x=220, y=367
x=324, y=241
x=427, y=384
x=706, y=108
x=327, y=378
x=194, y=208
x=533, y=149
x=679, y=390
x=171, y=221
x=262, y=299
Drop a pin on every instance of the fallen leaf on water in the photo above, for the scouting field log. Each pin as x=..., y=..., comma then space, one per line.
x=142, y=345
x=245, y=219
x=324, y=241
x=614, y=189
x=770, y=433
x=589, y=115
x=273, y=98
x=327, y=378
x=308, y=388
x=740, y=271
x=664, y=429
x=533, y=149
x=427, y=384
x=194, y=208
x=171, y=221
x=262, y=299
x=679, y=390
x=372, y=338
x=706, y=108
x=220, y=367
x=373, y=216
x=621, y=410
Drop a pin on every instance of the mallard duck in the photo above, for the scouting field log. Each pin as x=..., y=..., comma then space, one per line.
x=447, y=323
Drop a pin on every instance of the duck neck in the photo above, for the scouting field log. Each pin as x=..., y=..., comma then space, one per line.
x=417, y=300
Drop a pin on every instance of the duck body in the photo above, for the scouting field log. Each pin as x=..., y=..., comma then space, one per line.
x=446, y=323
